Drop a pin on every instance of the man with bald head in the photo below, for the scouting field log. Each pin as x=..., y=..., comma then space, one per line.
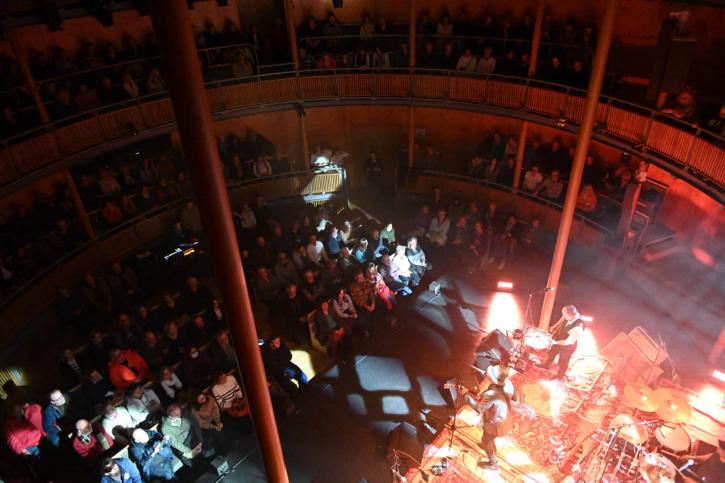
x=57, y=409
x=566, y=333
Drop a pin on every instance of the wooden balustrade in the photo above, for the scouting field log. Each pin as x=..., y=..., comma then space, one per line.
x=674, y=144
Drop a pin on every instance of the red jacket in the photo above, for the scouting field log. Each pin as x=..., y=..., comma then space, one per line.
x=21, y=434
x=122, y=376
x=94, y=449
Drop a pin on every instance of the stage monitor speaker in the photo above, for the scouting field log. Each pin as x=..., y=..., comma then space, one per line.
x=470, y=381
x=629, y=363
x=654, y=353
x=404, y=438
x=496, y=343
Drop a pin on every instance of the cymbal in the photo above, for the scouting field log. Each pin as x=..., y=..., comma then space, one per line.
x=630, y=429
x=640, y=397
x=673, y=406
x=655, y=468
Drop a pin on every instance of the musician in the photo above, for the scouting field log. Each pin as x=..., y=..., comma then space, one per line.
x=566, y=333
x=494, y=406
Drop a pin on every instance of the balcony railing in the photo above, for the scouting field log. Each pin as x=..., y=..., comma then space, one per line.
x=682, y=148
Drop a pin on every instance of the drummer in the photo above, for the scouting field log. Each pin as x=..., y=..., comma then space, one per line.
x=566, y=333
x=710, y=467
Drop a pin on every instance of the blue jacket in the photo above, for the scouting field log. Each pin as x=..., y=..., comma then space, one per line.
x=129, y=472
x=161, y=464
x=50, y=417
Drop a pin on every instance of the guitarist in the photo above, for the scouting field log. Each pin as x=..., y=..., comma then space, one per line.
x=566, y=333
x=494, y=406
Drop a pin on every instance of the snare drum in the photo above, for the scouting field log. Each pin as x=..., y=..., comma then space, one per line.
x=673, y=439
x=537, y=339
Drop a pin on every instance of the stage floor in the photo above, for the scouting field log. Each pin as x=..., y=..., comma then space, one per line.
x=340, y=434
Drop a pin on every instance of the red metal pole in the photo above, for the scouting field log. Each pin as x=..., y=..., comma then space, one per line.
x=176, y=43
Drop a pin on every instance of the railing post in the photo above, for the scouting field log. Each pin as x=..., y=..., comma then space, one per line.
x=78, y=204
x=304, y=140
x=648, y=128
x=520, y=151
x=22, y=59
x=691, y=148
x=536, y=41
x=411, y=142
x=412, y=47
x=582, y=146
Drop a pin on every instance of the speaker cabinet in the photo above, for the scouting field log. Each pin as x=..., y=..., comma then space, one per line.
x=496, y=345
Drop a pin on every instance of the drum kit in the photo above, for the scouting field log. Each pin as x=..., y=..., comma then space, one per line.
x=639, y=445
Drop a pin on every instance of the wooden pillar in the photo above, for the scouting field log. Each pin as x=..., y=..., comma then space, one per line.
x=305, y=143
x=78, y=204
x=520, y=151
x=536, y=40
x=582, y=146
x=22, y=58
x=172, y=25
x=411, y=35
x=292, y=32
x=411, y=142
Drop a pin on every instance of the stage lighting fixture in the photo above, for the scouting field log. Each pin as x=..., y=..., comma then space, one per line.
x=587, y=318
x=502, y=285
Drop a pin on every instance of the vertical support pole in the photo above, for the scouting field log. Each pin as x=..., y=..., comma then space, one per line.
x=22, y=58
x=411, y=143
x=172, y=25
x=520, y=151
x=411, y=35
x=78, y=204
x=536, y=40
x=582, y=146
x=305, y=143
x=292, y=32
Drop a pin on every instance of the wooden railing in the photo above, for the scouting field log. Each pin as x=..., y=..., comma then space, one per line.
x=687, y=151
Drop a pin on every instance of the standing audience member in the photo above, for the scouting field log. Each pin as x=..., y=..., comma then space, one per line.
x=53, y=413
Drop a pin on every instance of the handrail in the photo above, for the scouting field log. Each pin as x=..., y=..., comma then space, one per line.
x=679, y=144
x=508, y=189
x=4, y=302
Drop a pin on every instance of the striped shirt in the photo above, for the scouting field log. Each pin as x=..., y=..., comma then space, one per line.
x=226, y=393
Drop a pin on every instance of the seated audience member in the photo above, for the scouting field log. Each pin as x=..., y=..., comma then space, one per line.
x=196, y=368
x=422, y=221
x=214, y=317
x=682, y=107
x=416, y=256
x=586, y=201
x=196, y=332
x=196, y=297
x=401, y=267
x=205, y=412
x=316, y=253
x=551, y=187
x=394, y=282
x=504, y=243
x=300, y=259
x=126, y=367
x=148, y=320
x=174, y=342
x=460, y=234
x=438, y=229
x=293, y=311
x=96, y=352
x=346, y=233
x=86, y=444
x=169, y=308
x=280, y=368
x=119, y=470
x=57, y=409
x=311, y=289
x=151, y=451
x=361, y=251
x=71, y=369
x=331, y=276
x=22, y=430
x=154, y=351
x=532, y=179
x=380, y=288
x=477, y=167
x=222, y=353
x=226, y=392
x=334, y=243
x=262, y=254
x=387, y=235
x=375, y=245
x=284, y=270
x=347, y=315
x=362, y=293
x=345, y=262
x=268, y=288
x=116, y=423
x=127, y=333
x=181, y=434
x=94, y=391
x=329, y=333
x=141, y=403
x=467, y=62
x=171, y=384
